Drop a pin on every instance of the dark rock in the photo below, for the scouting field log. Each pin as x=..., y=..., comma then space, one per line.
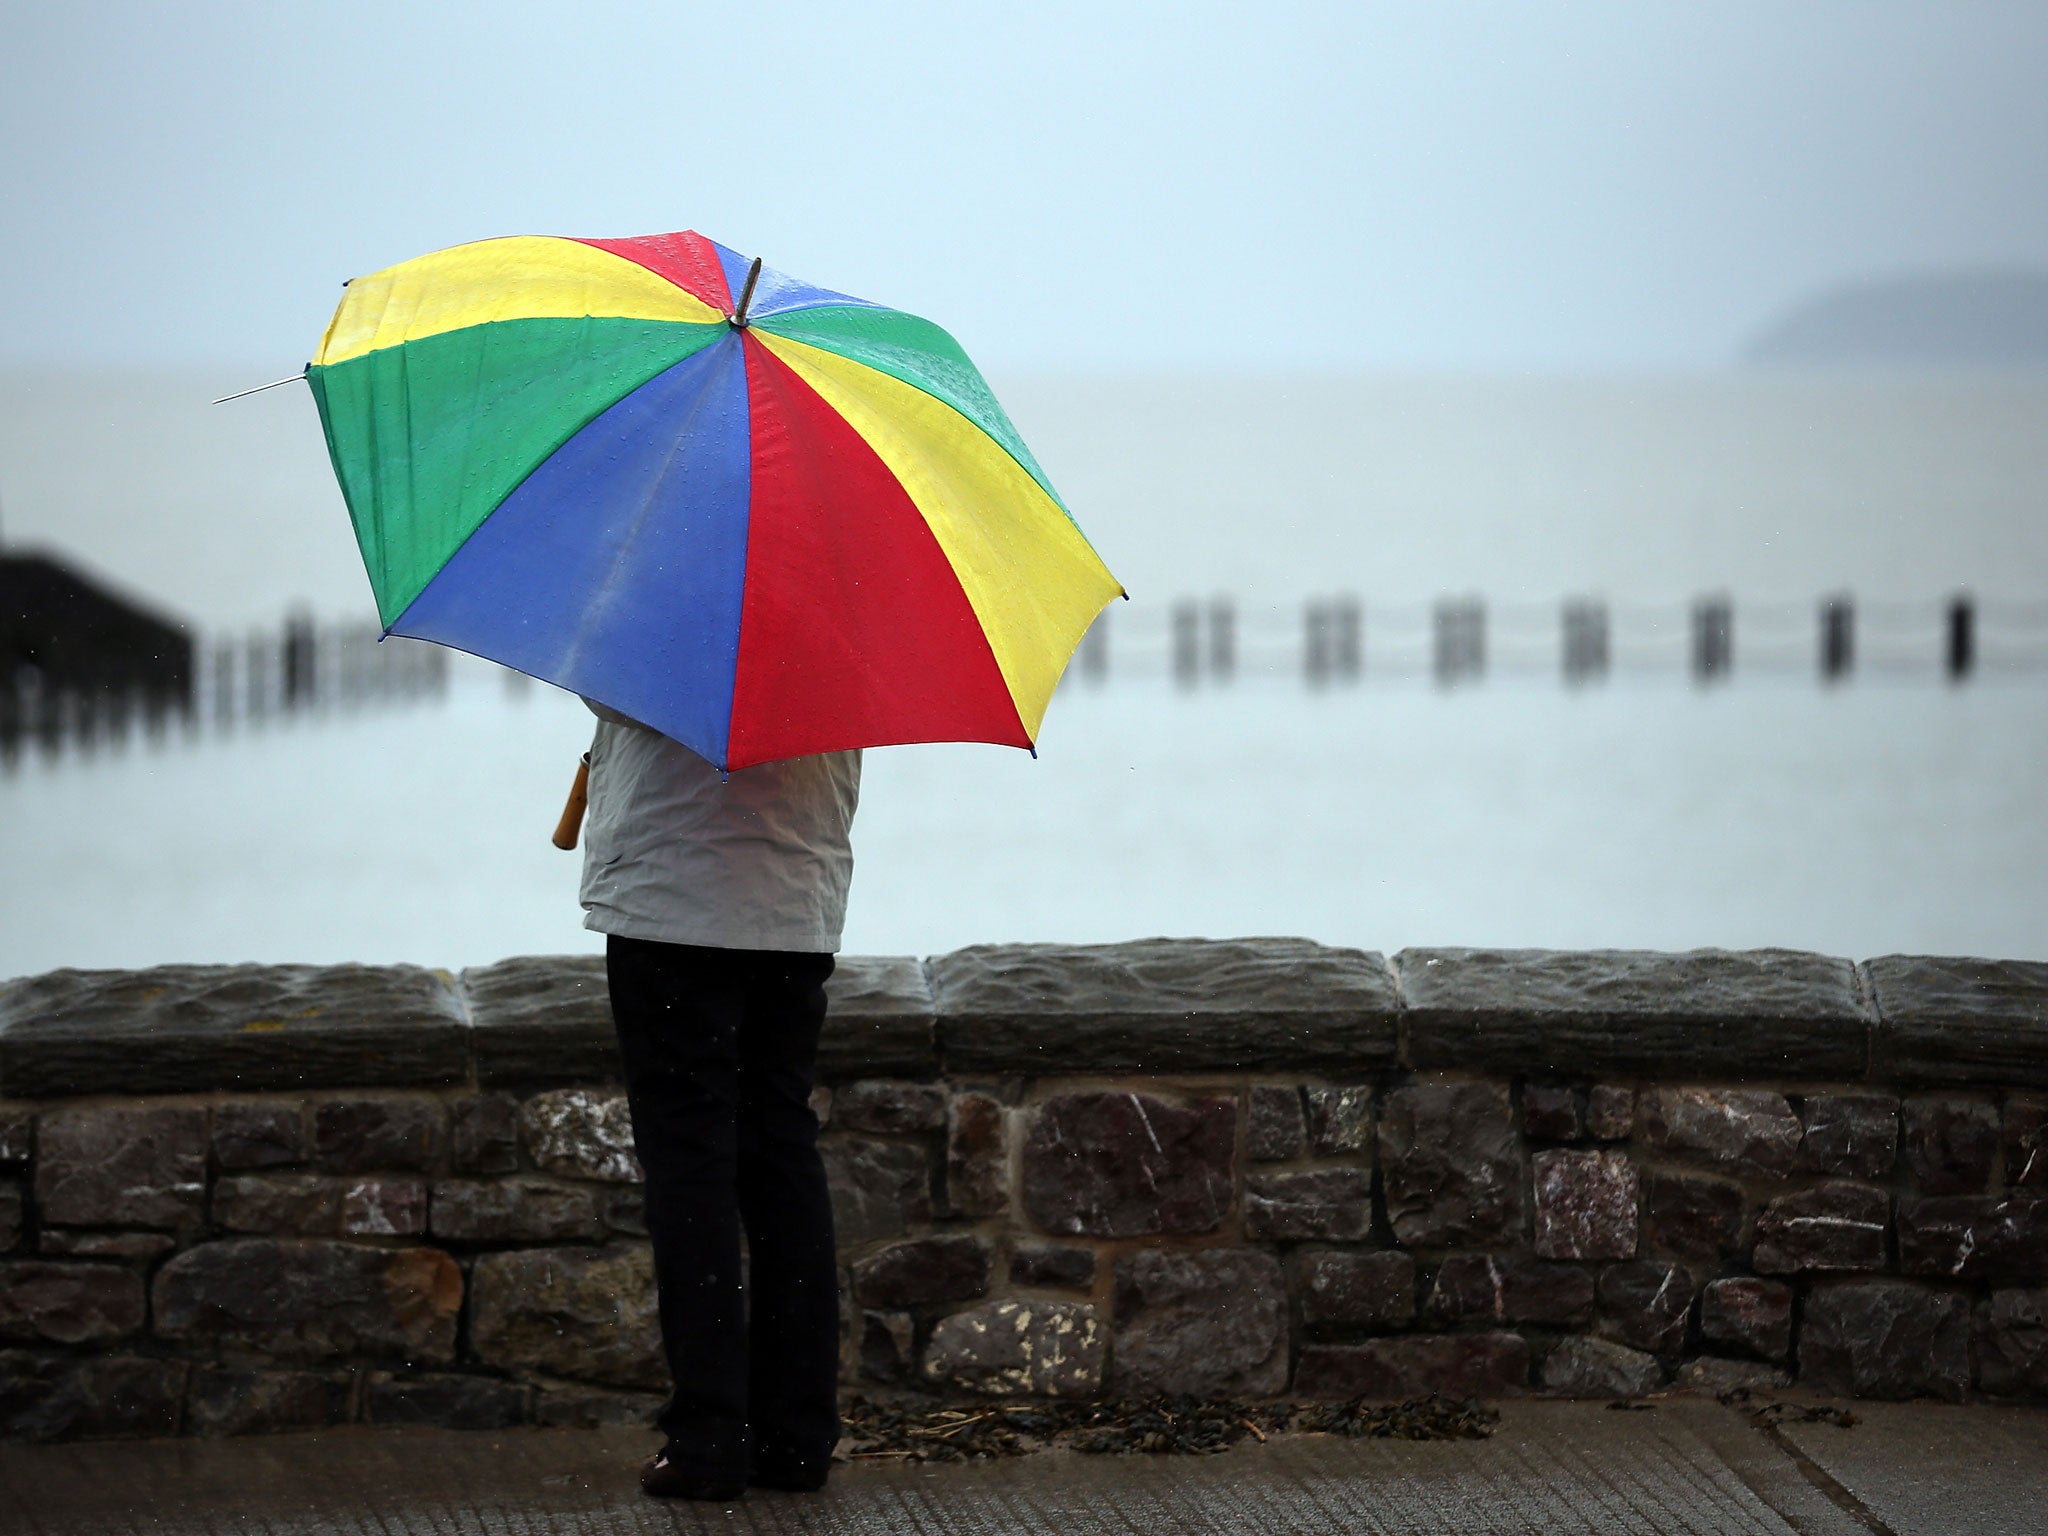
x=2012, y=1343
x=121, y=1165
x=891, y=1108
x=561, y=1407
x=1550, y=1112
x=104, y=1245
x=1401, y=1370
x=10, y=1214
x=1952, y=1142
x=1334, y=1204
x=1855, y=1135
x=888, y=1346
x=1968, y=1237
x=587, y=1314
x=1128, y=1164
x=444, y=1401
x=258, y=1133
x=950, y=1267
x=378, y=1133
x=1581, y=1367
x=1274, y=1131
x=299, y=1205
x=542, y=1018
x=1884, y=1338
x=1944, y=1020
x=1164, y=1005
x=68, y=1303
x=879, y=1188
x=625, y=1211
x=1748, y=1314
x=483, y=1133
x=1714, y=1377
x=1646, y=1304
x=2026, y=1140
x=1510, y=1288
x=1746, y=1131
x=581, y=1133
x=515, y=1211
x=17, y=1133
x=1053, y=1264
x=230, y=1402
x=1451, y=1163
x=977, y=1156
x=1356, y=1290
x=1610, y=1112
x=1836, y=1225
x=1018, y=1348
x=44, y=1397
x=1710, y=1013
x=208, y=1028
x=1339, y=1120
x=1211, y=1322
x=1692, y=1215
x=1585, y=1205
x=384, y=1208
x=305, y=1300
x=878, y=1020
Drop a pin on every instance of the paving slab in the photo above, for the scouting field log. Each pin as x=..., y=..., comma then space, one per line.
x=1915, y=1467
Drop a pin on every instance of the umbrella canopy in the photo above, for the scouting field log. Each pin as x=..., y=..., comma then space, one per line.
x=764, y=518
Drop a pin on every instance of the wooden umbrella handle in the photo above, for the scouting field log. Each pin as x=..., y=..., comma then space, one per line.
x=571, y=824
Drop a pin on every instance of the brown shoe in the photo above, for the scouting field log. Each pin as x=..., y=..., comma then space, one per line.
x=662, y=1478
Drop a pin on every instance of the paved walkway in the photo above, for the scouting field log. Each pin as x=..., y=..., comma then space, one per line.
x=1685, y=1467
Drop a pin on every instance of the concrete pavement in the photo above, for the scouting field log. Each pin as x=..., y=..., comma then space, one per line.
x=1687, y=1466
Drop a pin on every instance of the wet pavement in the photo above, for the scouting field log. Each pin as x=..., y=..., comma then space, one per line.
x=1685, y=1466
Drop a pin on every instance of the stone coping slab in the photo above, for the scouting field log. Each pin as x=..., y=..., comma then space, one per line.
x=1764, y=1013
x=1156, y=1005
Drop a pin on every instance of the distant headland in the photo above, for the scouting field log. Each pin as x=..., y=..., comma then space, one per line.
x=1988, y=319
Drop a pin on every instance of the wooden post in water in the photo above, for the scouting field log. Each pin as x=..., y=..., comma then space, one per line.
x=1222, y=639
x=1187, y=643
x=1585, y=639
x=1713, y=639
x=1962, y=637
x=1315, y=642
x=1837, y=637
x=1347, y=639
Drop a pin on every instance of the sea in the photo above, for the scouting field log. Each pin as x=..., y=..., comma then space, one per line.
x=1888, y=809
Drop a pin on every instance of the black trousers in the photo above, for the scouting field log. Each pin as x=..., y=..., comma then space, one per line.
x=719, y=1047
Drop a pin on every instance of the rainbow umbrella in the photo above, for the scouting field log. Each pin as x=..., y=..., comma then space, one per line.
x=763, y=518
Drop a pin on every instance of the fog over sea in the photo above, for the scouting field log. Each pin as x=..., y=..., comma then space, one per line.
x=1890, y=812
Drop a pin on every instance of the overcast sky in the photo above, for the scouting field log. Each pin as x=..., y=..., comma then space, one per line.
x=1426, y=185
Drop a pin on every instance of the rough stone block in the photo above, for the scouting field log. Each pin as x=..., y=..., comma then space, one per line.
x=1129, y=1164
x=1752, y=1315
x=1510, y=1288
x=1710, y=1013
x=1581, y=1367
x=222, y=1401
x=121, y=1165
x=1399, y=1370
x=1165, y=1005
x=1451, y=1162
x=291, y=1204
x=581, y=1133
x=888, y=1346
x=1946, y=1020
x=1969, y=1237
x=1952, y=1142
x=1019, y=1348
x=878, y=1020
x=1053, y=1265
x=1334, y=1204
x=1610, y=1112
x=977, y=1156
x=57, y=1397
x=953, y=1266
x=1274, y=1131
x=542, y=1018
x=564, y=1407
x=378, y=1133
x=1885, y=1338
x=1715, y=1377
x=879, y=1188
x=1339, y=1120
x=483, y=1133
x=515, y=1211
x=1211, y=1322
x=104, y=1245
x=2026, y=1140
x=17, y=1133
x=1692, y=1215
x=42, y=1301
x=1745, y=1131
x=1854, y=1135
x=625, y=1211
x=445, y=1401
x=383, y=1207
x=587, y=1314
x=250, y=1134
x=1356, y=1290
x=308, y=1300
x=2012, y=1343
x=1836, y=1225
x=890, y=1108
x=1550, y=1112
x=1585, y=1205
x=1646, y=1303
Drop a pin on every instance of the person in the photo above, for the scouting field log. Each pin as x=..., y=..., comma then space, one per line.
x=721, y=897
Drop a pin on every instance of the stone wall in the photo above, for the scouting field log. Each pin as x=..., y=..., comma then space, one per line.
x=253, y=1198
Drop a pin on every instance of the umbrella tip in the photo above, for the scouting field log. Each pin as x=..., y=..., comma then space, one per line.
x=739, y=316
